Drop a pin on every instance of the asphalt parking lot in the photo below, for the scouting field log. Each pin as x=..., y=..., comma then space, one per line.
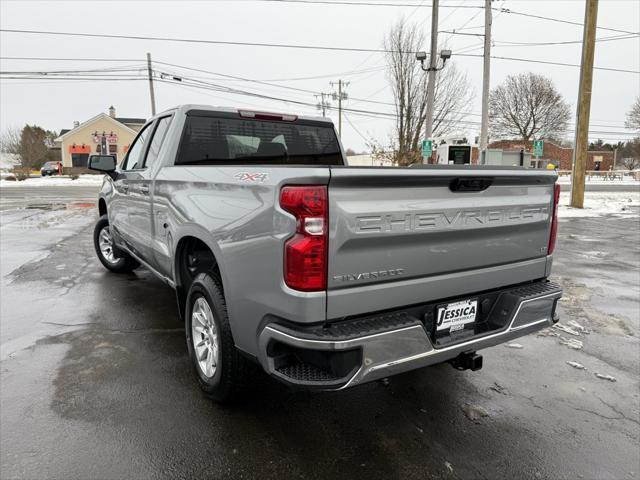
x=95, y=381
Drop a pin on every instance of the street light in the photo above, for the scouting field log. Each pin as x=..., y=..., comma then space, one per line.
x=422, y=56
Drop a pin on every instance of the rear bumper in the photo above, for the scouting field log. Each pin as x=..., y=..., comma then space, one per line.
x=366, y=349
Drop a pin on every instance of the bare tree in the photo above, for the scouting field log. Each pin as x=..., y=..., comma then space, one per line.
x=633, y=116
x=630, y=153
x=10, y=140
x=453, y=93
x=527, y=106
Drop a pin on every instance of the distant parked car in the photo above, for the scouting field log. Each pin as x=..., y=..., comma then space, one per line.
x=50, y=168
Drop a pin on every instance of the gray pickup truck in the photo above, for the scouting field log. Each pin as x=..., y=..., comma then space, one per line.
x=327, y=276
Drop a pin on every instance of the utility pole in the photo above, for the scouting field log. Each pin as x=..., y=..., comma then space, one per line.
x=323, y=104
x=433, y=59
x=486, y=72
x=151, y=93
x=340, y=96
x=584, y=104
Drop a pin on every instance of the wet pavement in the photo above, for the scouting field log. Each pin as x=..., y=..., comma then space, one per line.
x=95, y=381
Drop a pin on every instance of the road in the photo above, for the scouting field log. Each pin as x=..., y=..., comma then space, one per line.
x=14, y=197
x=96, y=382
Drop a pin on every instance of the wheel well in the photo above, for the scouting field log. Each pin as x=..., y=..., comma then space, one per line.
x=193, y=256
x=102, y=207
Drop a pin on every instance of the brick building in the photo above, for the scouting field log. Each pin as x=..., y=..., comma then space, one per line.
x=560, y=156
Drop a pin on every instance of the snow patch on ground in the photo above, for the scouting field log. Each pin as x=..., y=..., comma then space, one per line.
x=625, y=181
x=620, y=204
x=56, y=181
x=29, y=235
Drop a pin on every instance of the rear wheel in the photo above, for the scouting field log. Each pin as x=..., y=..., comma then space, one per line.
x=103, y=243
x=221, y=370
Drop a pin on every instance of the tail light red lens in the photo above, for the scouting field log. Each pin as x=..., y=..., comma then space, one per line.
x=305, y=254
x=554, y=220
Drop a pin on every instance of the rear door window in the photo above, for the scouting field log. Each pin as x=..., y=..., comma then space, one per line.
x=211, y=140
x=157, y=139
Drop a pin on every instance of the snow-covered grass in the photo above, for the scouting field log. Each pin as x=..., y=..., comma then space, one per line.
x=620, y=204
x=56, y=180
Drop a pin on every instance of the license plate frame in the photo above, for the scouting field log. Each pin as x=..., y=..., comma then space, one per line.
x=463, y=315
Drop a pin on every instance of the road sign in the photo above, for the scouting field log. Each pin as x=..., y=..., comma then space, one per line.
x=427, y=148
x=538, y=147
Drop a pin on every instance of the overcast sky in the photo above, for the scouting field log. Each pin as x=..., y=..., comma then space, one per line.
x=55, y=104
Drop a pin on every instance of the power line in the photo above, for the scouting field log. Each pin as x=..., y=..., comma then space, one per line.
x=362, y=4
x=328, y=75
x=562, y=64
x=387, y=4
x=366, y=140
x=453, y=32
x=526, y=44
x=212, y=86
x=234, y=77
x=603, y=134
x=207, y=85
x=63, y=72
x=568, y=42
x=75, y=59
x=110, y=78
x=281, y=45
x=551, y=19
x=473, y=17
x=293, y=79
x=262, y=82
x=194, y=40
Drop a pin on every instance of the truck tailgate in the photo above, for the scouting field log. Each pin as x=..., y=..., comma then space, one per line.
x=404, y=236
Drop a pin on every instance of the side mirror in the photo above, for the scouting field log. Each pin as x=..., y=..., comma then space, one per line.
x=102, y=163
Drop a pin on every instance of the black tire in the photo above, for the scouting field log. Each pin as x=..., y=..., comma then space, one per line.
x=233, y=370
x=121, y=264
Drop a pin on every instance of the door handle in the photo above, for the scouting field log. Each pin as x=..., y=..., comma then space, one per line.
x=125, y=188
x=144, y=189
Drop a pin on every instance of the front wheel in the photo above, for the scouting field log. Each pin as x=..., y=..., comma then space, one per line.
x=103, y=243
x=222, y=372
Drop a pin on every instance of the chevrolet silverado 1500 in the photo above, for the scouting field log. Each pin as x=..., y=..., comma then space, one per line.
x=325, y=275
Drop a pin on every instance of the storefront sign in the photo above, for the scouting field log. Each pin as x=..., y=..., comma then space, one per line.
x=110, y=138
x=79, y=148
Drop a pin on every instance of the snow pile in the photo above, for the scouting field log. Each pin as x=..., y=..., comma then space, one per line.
x=620, y=204
x=600, y=180
x=56, y=181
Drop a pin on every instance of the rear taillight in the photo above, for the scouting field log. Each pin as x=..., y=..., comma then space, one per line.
x=554, y=220
x=305, y=254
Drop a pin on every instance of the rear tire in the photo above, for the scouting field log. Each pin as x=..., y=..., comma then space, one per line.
x=103, y=243
x=223, y=373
